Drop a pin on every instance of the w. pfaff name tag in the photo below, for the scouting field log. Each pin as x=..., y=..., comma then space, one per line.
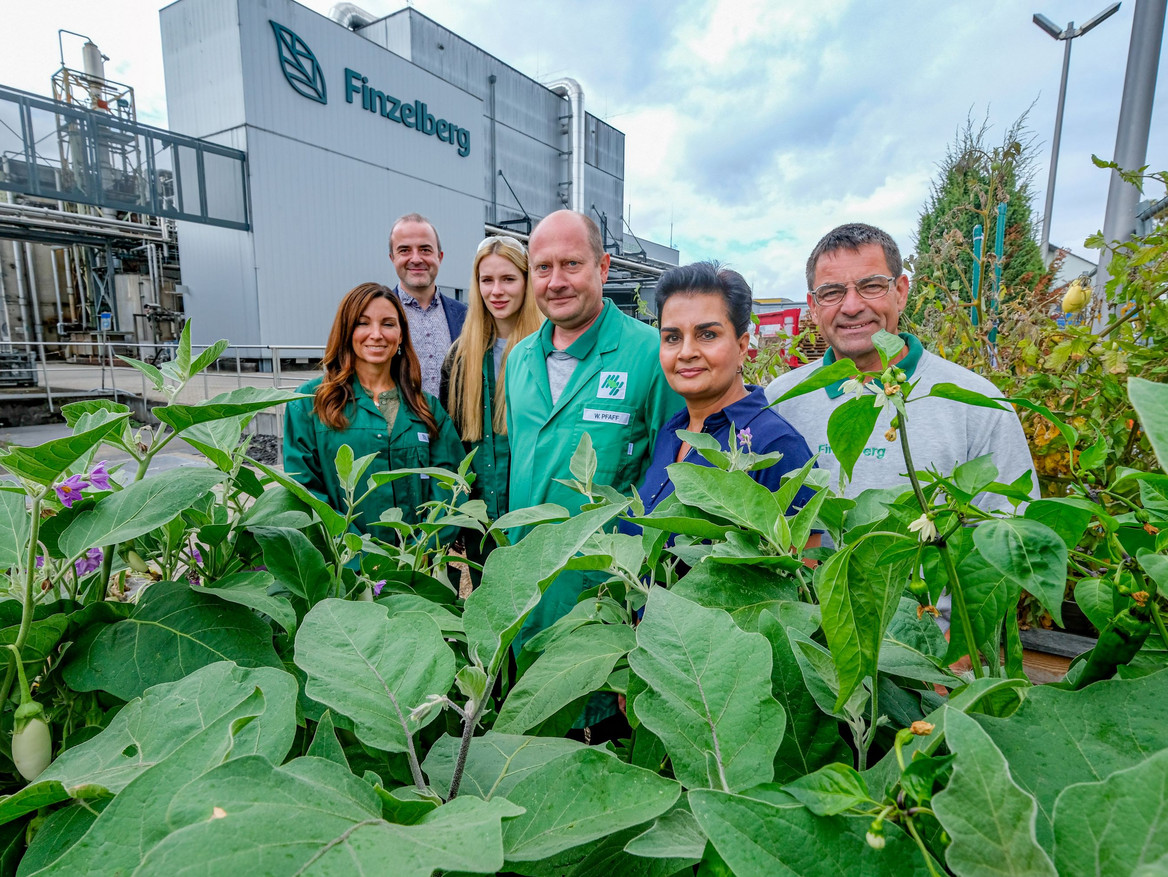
x=597, y=415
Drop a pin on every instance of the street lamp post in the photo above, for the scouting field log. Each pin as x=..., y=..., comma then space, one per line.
x=1067, y=34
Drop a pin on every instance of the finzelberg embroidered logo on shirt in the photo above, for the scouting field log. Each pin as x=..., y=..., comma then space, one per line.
x=612, y=385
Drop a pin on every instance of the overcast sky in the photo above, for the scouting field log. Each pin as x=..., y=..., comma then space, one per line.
x=752, y=126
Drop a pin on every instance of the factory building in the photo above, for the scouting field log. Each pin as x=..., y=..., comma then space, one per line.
x=295, y=140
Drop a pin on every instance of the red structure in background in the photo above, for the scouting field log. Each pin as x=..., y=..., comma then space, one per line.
x=786, y=322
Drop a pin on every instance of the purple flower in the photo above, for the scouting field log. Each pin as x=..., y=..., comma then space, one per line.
x=744, y=437
x=99, y=477
x=196, y=555
x=90, y=562
x=40, y=561
x=377, y=586
x=69, y=490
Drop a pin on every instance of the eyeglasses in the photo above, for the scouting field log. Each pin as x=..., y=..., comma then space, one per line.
x=503, y=239
x=868, y=287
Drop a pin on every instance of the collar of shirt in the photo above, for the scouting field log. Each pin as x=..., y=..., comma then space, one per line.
x=740, y=413
x=582, y=346
x=908, y=365
x=409, y=301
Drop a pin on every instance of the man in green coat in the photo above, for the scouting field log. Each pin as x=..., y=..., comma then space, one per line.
x=590, y=369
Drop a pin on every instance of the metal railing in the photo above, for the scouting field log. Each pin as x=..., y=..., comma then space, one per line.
x=64, y=373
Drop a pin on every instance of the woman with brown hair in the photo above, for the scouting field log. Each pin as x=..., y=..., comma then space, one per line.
x=370, y=398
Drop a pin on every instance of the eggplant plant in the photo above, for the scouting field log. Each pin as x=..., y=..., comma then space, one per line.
x=285, y=696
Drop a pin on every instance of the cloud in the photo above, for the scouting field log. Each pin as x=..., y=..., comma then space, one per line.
x=752, y=126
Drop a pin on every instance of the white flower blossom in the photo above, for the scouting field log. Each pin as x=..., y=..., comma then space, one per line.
x=855, y=386
x=924, y=528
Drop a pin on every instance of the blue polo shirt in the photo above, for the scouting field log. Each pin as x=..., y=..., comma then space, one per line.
x=769, y=432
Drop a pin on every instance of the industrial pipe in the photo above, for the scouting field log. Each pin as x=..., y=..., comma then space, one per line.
x=351, y=15
x=20, y=294
x=5, y=333
x=571, y=89
x=57, y=292
x=37, y=328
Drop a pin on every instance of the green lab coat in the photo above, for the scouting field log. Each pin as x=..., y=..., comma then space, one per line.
x=310, y=448
x=617, y=394
x=492, y=460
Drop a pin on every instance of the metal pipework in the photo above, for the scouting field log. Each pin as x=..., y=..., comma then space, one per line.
x=571, y=89
x=351, y=15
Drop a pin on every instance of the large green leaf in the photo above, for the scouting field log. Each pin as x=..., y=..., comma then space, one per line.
x=819, y=675
x=43, y=635
x=966, y=397
x=333, y=521
x=13, y=529
x=990, y=819
x=1115, y=826
x=244, y=400
x=734, y=496
x=811, y=739
x=760, y=839
x=373, y=669
x=1151, y=403
x=148, y=729
x=578, y=798
x=140, y=508
x=743, y=591
x=172, y=632
x=296, y=563
x=251, y=589
x=857, y=598
x=514, y=578
x=63, y=828
x=312, y=816
x=709, y=695
x=676, y=835
x=571, y=667
x=970, y=698
x=494, y=763
x=46, y=462
x=217, y=439
x=1031, y=553
x=136, y=819
x=833, y=789
x=848, y=429
x=989, y=594
x=1057, y=738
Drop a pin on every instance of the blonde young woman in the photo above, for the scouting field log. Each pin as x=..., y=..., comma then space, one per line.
x=501, y=312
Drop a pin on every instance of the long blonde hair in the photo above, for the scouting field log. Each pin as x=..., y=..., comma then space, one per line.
x=479, y=335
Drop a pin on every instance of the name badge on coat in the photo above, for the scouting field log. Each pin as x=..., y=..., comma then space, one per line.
x=598, y=415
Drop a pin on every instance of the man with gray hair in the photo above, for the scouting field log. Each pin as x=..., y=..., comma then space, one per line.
x=856, y=288
x=435, y=319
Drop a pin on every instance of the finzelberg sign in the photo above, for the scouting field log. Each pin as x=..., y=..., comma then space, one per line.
x=306, y=77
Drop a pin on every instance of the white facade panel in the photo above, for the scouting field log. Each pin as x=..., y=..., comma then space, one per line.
x=218, y=269
x=201, y=56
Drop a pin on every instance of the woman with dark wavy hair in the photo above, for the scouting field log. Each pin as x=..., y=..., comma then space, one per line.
x=371, y=399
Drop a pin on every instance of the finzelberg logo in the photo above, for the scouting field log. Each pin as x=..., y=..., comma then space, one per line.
x=300, y=66
x=304, y=74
